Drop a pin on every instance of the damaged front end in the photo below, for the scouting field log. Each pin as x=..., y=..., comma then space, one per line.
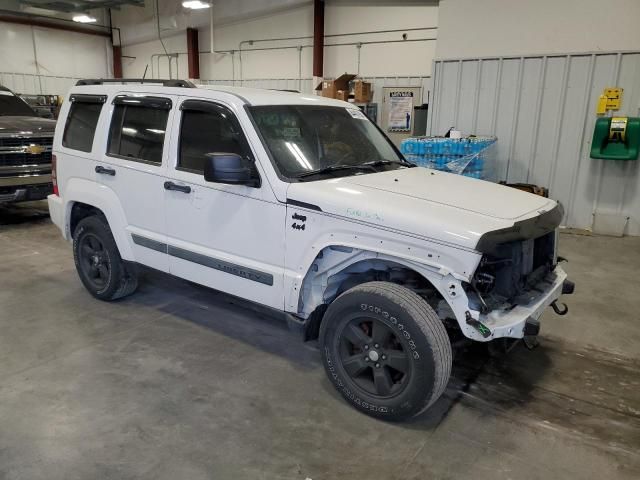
x=517, y=278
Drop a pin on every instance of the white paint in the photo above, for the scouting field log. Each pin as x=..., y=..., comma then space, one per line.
x=426, y=221
x=472, y=28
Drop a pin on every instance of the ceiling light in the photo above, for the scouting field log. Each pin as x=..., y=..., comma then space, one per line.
x=196, y=4
x=84, y=19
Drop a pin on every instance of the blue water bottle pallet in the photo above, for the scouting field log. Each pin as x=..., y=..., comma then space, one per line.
x=468, y=156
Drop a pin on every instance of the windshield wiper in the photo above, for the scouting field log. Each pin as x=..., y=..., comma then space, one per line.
x=337, y=168
x=379, y=163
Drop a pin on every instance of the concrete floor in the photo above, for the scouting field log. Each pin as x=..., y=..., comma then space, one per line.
x=180, y=382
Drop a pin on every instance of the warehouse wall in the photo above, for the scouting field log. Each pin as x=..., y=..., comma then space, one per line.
x=471, y=28
x=411, y=58
x=41, y=60
x=542, y=107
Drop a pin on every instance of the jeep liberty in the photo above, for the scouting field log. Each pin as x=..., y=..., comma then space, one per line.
x=301, y=204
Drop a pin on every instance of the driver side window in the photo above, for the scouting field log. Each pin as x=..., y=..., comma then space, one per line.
x=208, y=128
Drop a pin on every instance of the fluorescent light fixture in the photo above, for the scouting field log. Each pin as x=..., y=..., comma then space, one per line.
x=83, y=18
x=196, y=4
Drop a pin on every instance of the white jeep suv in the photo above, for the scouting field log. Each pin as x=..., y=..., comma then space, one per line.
x=301, y=204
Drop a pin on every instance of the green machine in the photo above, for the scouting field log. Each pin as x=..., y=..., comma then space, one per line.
x=616, y=138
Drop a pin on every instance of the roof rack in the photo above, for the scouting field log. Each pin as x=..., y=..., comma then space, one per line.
x=164, y=82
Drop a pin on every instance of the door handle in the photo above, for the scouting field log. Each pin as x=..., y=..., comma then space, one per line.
x=176, y=187
x=105, y=170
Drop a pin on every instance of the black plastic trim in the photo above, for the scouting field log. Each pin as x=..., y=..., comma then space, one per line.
x=531, y=228
x=308, y=206
x=204, y=260
x=143, y=101
x=82, y=98
x=221, y=265
x=149, y=243
x=164, y=82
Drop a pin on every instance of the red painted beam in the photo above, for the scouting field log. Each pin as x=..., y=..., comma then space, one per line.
x=117, y=61
x=193, y=56
x=318, y=38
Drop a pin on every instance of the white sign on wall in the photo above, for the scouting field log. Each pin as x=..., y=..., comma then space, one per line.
x=400, y=111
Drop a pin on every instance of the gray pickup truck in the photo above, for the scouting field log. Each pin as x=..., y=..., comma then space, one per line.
x=25, y=150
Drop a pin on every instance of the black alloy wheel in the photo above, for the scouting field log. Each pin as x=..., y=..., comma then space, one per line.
x=373, y=357
x=98, y=262
x=94, y=261
x=385, y=350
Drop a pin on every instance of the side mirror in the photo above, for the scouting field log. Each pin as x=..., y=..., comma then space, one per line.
x=228, y=168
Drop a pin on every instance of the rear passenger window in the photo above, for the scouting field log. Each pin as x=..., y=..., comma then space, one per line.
x=81, y=122
x=208, y=128
x=137, y=128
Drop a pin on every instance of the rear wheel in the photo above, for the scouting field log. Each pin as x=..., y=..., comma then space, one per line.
x=98, y=263
x=385, y=350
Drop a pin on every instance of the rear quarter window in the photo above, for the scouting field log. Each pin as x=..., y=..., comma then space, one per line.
x=80, y=127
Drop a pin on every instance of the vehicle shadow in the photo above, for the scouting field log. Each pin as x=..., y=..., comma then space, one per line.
x=476, y=373
x=225, y=314
x=494, y=384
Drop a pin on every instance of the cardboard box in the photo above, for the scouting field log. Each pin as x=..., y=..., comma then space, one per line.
x=330, y=88
x=342, y=95
x=361, y=91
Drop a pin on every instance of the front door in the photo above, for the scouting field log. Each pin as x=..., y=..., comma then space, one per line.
x=228, y=237
x=134, y=166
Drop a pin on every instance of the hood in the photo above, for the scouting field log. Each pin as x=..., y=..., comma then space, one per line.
x=13, y=125
x=420, y=201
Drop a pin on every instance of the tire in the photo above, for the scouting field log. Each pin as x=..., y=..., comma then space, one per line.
x=98, y=263
x=410, y=367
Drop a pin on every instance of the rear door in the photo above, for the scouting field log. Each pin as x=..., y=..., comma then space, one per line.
x=134, y=166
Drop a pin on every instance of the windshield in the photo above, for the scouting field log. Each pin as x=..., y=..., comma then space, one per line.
x=313, y=142
x=13, y=105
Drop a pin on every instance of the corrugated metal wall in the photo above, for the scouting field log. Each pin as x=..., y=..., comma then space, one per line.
x=542, y=109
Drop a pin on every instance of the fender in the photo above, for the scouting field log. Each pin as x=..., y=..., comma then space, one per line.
x=444, y=266
x=336, y=262
x=104, y=199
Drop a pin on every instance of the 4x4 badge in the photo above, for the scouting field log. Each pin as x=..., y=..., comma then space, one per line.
x=298, y=218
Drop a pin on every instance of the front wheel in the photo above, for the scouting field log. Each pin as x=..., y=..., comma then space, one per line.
x=385, y=350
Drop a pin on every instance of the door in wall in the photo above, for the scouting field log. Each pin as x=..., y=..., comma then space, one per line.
x=397, y=111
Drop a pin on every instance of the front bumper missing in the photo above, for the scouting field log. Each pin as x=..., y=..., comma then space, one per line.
x=521, y=320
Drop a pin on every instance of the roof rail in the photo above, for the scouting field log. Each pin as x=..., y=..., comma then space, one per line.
x=164, y=82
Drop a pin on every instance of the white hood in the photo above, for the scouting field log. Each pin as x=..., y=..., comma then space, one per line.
x=425, y=202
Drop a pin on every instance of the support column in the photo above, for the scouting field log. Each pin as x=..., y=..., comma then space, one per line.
x=117, y=61
x=193, y=53
x=318, y=41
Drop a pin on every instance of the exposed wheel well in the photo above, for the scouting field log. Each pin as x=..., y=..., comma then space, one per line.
x=323, y=283
x=79, y=211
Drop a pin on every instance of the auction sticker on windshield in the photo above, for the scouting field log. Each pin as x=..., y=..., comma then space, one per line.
x=356, y=113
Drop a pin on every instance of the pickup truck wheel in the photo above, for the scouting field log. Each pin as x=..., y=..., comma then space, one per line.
x=100, y=267
x=385, y=350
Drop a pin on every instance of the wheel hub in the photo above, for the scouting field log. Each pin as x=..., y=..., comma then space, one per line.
x=373, y=355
